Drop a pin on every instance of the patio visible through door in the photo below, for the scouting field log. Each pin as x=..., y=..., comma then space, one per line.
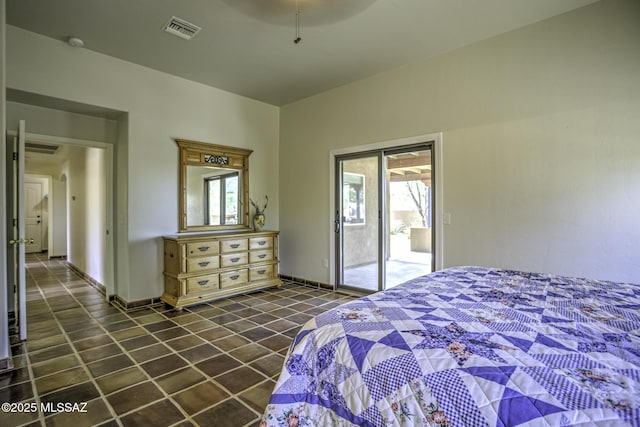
x=384, y=216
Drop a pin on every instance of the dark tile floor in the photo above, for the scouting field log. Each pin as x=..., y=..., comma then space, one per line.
x=210, y=365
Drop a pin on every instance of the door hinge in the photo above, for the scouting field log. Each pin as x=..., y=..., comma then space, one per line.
x=15, y=222
x=15, y=155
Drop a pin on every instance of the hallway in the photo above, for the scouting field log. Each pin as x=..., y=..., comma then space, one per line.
x=211, y=364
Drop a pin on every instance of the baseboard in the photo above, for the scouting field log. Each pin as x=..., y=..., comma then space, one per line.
x=303, y=281
x=133, y=305
x=90, y=280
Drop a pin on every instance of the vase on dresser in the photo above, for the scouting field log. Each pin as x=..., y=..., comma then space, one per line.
x=258, y=221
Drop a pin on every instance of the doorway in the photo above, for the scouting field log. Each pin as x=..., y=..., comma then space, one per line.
x=384, y=216
x=74, y=201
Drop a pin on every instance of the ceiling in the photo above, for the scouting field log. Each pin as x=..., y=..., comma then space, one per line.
x=246, y=46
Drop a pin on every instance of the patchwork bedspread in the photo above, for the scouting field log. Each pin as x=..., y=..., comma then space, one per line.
x=469, y=346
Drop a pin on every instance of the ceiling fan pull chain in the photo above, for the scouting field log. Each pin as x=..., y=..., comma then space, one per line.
x=298, y=39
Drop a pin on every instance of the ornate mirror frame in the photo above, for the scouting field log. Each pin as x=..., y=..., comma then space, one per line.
x=195, y=153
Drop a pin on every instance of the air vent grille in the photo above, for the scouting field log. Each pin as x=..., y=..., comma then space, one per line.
x=181, y=28
x=34, y=147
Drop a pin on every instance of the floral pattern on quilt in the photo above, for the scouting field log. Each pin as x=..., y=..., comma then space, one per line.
x=468, y=346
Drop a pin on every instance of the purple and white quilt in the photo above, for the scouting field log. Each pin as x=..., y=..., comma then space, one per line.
x=469, y=346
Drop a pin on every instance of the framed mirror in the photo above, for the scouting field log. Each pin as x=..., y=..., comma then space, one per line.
x=214, y=187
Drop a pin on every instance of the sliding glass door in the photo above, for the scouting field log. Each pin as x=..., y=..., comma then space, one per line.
x=358, y=221
x=409, y=215
x=383, y=217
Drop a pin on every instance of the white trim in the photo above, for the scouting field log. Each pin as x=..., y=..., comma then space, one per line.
x=436, y=139
x=22, y=274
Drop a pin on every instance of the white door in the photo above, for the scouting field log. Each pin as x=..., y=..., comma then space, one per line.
x=16, y=231
x=33, y=216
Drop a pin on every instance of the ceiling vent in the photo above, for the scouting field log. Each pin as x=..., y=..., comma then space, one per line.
x=34, y=147
x=181, y=28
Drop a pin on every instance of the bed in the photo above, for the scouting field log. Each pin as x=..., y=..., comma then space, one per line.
x=468, y=346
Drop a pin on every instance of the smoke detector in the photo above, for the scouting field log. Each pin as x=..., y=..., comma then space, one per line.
x=75, y=42
x=181, y=28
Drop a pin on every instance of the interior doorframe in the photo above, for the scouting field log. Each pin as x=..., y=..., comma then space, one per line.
x=438, y=205
x=110, y=242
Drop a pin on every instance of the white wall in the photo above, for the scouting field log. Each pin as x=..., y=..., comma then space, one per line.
x=160, y=107
x=540, y=141
x=86, y=219
x=58, y=229
x=75, y=169
x=95, y=235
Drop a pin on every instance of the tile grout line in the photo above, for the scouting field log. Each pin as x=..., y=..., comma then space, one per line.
x=114, y=414
x=235, y=396
x=244, y=302
x=32, y=377
x=77, y=353
x=232, y=395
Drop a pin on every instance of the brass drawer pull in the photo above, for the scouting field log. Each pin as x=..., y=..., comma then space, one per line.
x=262, y=271
x=203, y=248
x=262, y=256
x=262, y=242
x=204, y=263
x=235, y=277
x=203, y=282
x=235, y=259
x=235, y=245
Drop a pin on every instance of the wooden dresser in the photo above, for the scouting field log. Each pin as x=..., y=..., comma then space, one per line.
x=200, y=267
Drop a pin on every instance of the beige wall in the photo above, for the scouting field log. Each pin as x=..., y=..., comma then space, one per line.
x=540, y=144
x=53, y=122
x=160, y=107
x=360, y=241
x=86, y=216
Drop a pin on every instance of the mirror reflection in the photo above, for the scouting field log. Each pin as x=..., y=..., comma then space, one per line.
x=213, y=196
x=214, y=187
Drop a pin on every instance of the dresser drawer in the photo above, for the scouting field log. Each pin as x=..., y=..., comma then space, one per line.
x=203, y=248
x=264, y=272
x=234, y=245
x=202, y=263
x=233, y=278
x=201, y=267
x=229, y=260
x=264, y=242
x=259, y=256
x=203, y=283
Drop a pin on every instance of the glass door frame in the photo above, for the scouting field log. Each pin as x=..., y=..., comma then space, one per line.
x=338, y=216
x=380, y=154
